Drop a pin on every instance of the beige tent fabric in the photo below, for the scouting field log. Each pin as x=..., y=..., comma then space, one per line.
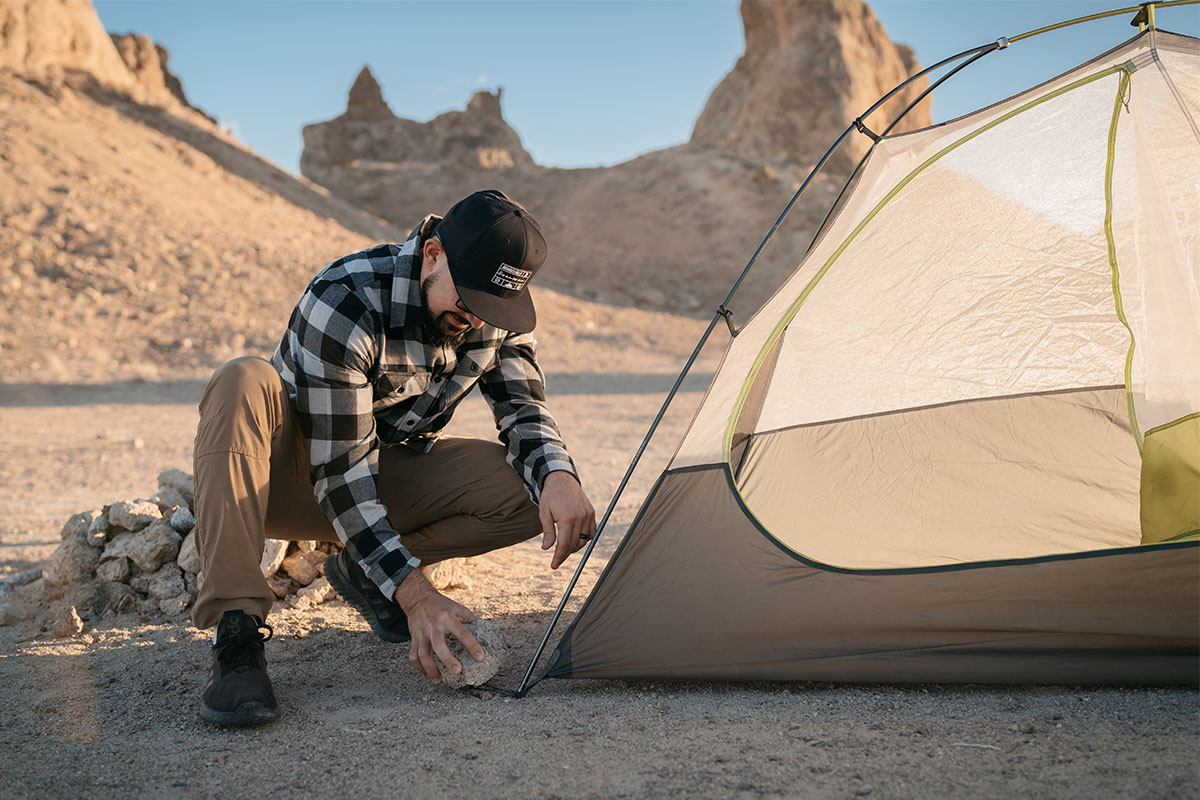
x=936, y=421
x=987, y=274
x=1017, y=477
x=698, y=592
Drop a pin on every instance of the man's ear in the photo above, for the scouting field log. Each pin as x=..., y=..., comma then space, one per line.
x=431, y=251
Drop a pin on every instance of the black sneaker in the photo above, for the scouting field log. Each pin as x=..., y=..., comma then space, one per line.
x=385, y=616
x=239, y=691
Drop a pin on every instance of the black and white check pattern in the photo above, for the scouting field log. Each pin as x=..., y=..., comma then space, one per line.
x=361, y=377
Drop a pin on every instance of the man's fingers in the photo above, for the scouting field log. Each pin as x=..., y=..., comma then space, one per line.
x=547, y=520
x=421, y=656
x=468, y=641
x=443, y=652
x=568, y=542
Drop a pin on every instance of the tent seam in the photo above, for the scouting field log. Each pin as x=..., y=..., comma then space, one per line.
x=1162, y=69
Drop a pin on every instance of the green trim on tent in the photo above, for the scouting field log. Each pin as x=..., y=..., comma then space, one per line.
x=1112, y=248
x=796, y=305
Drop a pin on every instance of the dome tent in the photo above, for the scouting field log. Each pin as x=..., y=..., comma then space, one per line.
x=961, y=442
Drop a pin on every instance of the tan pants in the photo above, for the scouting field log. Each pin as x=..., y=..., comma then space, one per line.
x=252, y=481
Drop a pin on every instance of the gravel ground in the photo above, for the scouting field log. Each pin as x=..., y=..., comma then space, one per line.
x=113, y=713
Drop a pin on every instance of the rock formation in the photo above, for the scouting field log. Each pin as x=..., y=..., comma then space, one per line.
x=808, y=70
x=63, y=42
x=670, y=229
x=147, y=61
x=40, y=37
x=369, y=133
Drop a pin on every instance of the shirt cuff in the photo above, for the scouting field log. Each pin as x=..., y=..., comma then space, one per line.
x=388, y=571
x=561, y=463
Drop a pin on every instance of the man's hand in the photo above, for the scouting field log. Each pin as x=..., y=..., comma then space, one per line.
x=432, y=615
x=567, y=516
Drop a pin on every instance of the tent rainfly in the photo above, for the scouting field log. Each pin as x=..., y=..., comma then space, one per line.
x=961, y=442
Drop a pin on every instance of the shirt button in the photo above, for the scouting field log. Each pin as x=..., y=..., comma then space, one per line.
x=437, y=379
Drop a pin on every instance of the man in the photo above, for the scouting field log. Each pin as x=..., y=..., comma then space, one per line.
x=336, y=438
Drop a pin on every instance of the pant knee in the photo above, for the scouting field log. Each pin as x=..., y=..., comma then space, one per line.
x=242, y=406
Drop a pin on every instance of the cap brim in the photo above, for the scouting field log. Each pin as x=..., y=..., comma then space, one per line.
x=514, y=314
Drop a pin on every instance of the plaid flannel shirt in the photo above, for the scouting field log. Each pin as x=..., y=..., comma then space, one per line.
x=360, y=375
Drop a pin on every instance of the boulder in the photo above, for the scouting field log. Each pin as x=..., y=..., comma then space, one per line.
x=67, y=623
x=166, y=581
x=316, y=592
x=73, y=561
x=281, y=585
x=116, y=570
x=303, y=567
x=168, y=500
x=273, y=552
x=98, y=598
x=182, y=520
x=98, y=532
x=154, y=545
x=189, y=559
x=174, y=606
x=133, y=515
x=180, y=481
x=475, y=673
x=79, y=523
x=448, y=574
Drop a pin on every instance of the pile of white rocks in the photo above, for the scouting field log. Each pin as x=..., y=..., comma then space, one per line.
x=140, y=556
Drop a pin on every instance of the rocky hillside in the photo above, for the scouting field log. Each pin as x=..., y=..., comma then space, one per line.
x=670, y=229
x=137, y=240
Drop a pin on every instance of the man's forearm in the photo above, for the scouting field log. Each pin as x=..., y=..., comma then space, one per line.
x=414, y=590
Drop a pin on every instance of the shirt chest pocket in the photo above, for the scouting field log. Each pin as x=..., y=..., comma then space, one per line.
x=401, y=383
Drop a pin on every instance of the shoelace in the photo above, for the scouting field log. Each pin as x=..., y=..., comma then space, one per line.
x=242, y=649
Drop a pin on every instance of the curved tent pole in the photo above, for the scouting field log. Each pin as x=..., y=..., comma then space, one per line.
x=723, y=312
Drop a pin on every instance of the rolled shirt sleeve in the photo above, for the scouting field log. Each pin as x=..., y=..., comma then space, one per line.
x=334, y=348
x=515, y=387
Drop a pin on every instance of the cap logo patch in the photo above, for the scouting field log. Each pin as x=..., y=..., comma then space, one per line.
x=509, y=277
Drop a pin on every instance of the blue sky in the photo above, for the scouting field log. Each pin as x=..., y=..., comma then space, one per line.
x=585, y=83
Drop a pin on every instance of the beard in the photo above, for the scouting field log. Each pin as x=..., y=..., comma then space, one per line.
x=441, y=331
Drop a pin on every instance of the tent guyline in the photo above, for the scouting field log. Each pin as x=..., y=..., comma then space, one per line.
x=1145, y=20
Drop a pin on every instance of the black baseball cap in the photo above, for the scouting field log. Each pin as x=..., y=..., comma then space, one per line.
x=493, y=247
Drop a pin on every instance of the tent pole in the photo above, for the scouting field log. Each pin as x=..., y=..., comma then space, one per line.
x=723, y=312
x=524, y=687
x=1147, y=7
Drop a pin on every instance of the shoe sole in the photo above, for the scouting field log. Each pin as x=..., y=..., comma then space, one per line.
x=342, y=584
x=244, y=716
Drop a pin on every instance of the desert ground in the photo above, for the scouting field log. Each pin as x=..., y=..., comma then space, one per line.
x=113, y=712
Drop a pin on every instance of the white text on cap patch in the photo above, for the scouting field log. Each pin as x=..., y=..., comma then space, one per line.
x=511, y=278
